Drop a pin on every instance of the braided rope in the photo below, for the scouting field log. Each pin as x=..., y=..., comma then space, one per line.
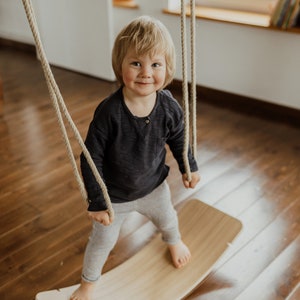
x=185, y=85
x=193, y=78
x=185, y=92
x=60, y=108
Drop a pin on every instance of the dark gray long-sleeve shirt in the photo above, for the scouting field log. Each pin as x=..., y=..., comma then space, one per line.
x=129, y=152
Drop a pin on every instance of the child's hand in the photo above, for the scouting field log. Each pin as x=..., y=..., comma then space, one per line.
x=191, y=184
x=100, y=216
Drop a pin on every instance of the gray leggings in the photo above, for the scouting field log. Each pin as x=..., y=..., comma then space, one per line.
x=156, y=206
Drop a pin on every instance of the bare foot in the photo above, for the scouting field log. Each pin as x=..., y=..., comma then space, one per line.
x=180, y=253
x=84, y=292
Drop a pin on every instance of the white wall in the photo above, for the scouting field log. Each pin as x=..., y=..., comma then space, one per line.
x=77, y=34
x=253, y=62
x=13, y=22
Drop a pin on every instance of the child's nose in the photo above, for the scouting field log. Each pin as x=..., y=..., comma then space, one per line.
x=146, y=71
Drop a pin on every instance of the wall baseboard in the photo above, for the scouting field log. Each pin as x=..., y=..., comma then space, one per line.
x=17, y=45
x=243, y=104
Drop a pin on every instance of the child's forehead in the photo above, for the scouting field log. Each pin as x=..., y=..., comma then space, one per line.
x=153, y=53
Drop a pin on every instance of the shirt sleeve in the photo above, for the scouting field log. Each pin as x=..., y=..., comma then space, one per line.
x=96, y=142
x=176, y=138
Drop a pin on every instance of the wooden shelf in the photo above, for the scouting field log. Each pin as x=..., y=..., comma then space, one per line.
x=125, y=4
x=234, y=17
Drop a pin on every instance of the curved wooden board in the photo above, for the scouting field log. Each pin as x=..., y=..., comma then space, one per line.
x=150, y=275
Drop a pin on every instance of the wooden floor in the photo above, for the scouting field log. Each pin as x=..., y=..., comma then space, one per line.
x=250, y=169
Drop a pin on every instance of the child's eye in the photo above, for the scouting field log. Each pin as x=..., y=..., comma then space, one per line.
x=156, y=65
x=136, y=64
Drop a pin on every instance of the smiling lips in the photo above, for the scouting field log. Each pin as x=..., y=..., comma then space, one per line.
x=143, y=82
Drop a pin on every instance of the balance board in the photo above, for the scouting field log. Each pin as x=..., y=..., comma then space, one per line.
x=150, y=274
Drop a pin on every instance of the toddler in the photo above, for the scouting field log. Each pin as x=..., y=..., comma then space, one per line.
x=127, y=139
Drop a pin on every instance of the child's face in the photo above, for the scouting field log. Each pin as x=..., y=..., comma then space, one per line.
x=143, y=75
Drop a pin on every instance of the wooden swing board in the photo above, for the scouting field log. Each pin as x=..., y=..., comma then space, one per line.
x=150, y=275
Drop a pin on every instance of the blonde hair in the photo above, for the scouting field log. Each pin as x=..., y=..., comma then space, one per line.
x=144, y=35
